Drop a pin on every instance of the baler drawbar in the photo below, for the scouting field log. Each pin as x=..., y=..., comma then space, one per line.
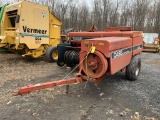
x=30, y=88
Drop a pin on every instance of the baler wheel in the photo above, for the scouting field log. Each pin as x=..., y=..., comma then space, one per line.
x=60, y=63
x=52, y=54
x=95, y=65
x=68, y=63
x=133, y=69
x=71, y=58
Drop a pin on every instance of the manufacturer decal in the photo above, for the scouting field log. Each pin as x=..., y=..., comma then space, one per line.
x=121, y=52
x=101, y=44
x=38, y=40
x=86, y=43
x=43, y=14
x=30, y=30
x=137, y=47
x=125, y=51
x=76, y=38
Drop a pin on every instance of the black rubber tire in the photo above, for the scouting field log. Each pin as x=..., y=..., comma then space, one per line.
x=49, y=53
x=67, y=60
x=60, y=63
x=68, y=63
x=133, y=69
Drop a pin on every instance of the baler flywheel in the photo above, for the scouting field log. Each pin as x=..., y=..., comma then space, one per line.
x=95, y=65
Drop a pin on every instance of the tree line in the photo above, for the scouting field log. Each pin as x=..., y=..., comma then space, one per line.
x=143, y=15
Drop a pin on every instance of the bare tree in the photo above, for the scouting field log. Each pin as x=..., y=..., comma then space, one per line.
x=157, y=19
x=84, y=18
x=114, y=15
x=140, y=14
x=106, y=7
x=97, y=13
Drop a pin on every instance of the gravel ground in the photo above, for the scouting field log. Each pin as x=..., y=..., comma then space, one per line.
x=114, y=99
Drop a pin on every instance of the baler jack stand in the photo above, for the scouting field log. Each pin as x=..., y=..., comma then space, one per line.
x=67, y=89
x=67, y=82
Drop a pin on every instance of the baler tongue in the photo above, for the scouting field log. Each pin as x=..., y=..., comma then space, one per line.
x=31, y=88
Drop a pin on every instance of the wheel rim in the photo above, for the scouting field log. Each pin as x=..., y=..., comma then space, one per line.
x=55, y=54
x=137, y=69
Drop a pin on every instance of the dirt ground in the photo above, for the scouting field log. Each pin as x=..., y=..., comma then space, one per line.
x=114, y=99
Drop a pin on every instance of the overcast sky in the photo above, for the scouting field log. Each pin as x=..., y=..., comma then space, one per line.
x=88, y=1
